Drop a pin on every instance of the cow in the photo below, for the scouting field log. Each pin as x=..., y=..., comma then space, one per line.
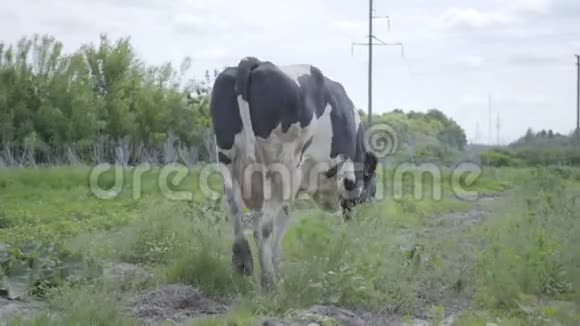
x=282, y=131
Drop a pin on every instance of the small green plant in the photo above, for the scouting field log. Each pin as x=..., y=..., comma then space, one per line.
x=5, y=222
x=436, y=315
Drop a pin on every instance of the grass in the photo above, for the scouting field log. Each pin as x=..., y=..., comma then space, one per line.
x=519, y=266
x=532, y=250
x=62, y=202
x=86, y=305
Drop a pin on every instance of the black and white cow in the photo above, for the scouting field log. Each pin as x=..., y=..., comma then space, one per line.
x=281, y=131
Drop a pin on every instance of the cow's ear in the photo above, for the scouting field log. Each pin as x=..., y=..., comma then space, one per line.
x=371, y=162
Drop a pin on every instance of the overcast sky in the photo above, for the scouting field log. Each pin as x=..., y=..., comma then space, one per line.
x=456, y=52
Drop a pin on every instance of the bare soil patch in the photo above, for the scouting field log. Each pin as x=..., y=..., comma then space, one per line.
x=14, y=308
x=175, y=303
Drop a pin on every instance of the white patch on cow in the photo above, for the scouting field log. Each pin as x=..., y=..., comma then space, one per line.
x=247, y=130
x=320, y=148
x=296, y=71
x=317, y=161
x=347, y=171
x=284, y=148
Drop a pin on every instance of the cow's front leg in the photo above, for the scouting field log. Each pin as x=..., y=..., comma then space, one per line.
x=242, y=261
x=346, y=208
x=279, y=228
x=264, y=241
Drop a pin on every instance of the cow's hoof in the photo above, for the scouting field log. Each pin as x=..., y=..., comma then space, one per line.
x=267, y=282
x=242, y=257
x=347, y=215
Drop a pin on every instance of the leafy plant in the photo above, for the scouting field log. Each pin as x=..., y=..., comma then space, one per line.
x=30, y=269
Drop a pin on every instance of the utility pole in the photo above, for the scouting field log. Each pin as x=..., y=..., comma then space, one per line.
x=498, y=126
x=370, y=73
x=578, y=99
x=370, y=45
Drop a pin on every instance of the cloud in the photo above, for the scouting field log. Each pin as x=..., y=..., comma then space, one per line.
x=530, y=6
x=351, y=25
x=470, y=18
x=198, y=24
x=530, y=59
x=508, y=15
x=461, y=64
x=67, y=24
x=188, y=19
x=470, y=61
x=568, y=9
x=211, y=53
x=128, y=3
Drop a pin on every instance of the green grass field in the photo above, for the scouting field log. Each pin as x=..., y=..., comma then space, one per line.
x=514, y=260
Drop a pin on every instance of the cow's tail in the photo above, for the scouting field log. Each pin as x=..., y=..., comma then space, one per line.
x=245, y=68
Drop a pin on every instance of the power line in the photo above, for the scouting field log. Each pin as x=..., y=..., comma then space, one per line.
x=477, y=135
x=489, y=135
x=370, y=45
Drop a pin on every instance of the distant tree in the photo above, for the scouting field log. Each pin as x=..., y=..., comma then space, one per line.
x=437, y=115
x=430, y=136
x=529, y=134
x=454, y=136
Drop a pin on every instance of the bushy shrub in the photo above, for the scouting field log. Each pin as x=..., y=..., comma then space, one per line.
x=498, y=159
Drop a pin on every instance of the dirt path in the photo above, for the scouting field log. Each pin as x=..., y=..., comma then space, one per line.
x=475, y=215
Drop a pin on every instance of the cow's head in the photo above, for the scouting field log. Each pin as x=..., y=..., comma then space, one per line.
x=364, y=188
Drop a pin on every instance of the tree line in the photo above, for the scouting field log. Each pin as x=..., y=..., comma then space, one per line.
x=536, y=148
x=100, y=103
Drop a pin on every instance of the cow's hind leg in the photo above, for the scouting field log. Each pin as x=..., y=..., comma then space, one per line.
x=241, y=253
